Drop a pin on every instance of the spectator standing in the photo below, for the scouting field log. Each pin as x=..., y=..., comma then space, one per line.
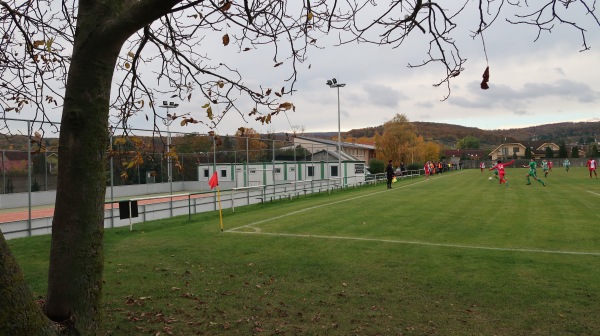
x=389, y=172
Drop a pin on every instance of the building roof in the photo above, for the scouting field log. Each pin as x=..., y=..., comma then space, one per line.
x=537, y=147
x=335, y=143
x=334, y=154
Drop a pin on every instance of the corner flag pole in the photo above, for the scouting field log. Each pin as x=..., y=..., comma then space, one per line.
x=220, y=211
x=214, y=182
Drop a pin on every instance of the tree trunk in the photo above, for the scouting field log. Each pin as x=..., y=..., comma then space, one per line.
x=76, y=252
x=76, y=255
x=19, y=315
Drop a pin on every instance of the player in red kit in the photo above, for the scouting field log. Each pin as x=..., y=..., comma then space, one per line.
x=591, y=164
x=500, y=166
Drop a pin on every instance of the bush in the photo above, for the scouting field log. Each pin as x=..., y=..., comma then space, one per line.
x=376, y=166
x=414, y=166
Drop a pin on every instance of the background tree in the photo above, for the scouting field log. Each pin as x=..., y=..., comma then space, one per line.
x=431, y=151
x=549, y=153
x=468, y=142
x=562, y=150
x=528, y=154
x=593, y=152
x=574, y=152
x=397, y=139
x=249, y=140
x=96, y=48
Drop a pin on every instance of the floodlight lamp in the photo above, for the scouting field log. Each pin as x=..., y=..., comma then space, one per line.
x=334, y=81
x=175, y=105
x=329, y=82
x=171, y=103
x=164, y=102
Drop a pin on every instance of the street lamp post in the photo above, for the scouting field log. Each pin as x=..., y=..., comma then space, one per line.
x=334, y=84
x=167, y=121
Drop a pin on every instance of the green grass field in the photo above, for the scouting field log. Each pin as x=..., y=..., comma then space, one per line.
x=453, y=255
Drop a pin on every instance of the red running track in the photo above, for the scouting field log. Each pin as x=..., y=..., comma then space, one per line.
x=7, y=216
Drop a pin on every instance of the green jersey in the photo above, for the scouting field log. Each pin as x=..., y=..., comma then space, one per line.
x=566, y=163
x=544, y=165
x=532, y=166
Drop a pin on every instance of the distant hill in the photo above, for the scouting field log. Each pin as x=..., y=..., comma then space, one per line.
x=448, y=134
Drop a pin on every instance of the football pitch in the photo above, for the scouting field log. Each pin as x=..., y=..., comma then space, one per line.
x=453, y=255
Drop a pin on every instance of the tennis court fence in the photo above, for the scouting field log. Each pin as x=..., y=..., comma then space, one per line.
x=128, y=211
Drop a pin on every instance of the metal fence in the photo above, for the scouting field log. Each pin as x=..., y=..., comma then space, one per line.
x=30, y=164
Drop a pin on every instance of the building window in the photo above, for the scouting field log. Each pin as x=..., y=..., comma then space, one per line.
x=334, y=171
x=515, y=149
x=205, y=172
x=310, y=171
x=277, y=170
x=223, y=173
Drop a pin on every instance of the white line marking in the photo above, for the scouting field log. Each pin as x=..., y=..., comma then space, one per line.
x=596, y=254
x=593, y=193
x=258, y=231
x=316, y=207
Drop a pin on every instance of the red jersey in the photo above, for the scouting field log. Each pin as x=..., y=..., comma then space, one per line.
x=591, y=164
x=500, y=166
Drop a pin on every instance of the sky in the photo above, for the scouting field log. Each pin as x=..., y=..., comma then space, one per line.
x=531, y=82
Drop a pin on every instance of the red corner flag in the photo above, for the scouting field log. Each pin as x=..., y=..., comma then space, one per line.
x=214, y=181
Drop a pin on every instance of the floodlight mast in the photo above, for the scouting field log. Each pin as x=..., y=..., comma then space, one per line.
x=332, y=83
x=167, y=121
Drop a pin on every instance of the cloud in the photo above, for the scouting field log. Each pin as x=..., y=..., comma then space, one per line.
x=385, y=96
x=506, y=96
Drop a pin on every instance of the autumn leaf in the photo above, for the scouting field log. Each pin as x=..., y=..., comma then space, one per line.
x=130, y=54
x=221, y=84
x=127, y=65
x=205, y=105
x=309, y=16
x=286, y=106
x=49, y=44
x=225, y=39
x=225, y=6
x=486, y=79
x=209, y=113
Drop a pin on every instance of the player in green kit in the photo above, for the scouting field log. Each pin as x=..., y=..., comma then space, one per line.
x=544, y=167
x=567, y=164
x=532, y=167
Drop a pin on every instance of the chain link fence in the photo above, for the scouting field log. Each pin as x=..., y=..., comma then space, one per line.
x=141, y=163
